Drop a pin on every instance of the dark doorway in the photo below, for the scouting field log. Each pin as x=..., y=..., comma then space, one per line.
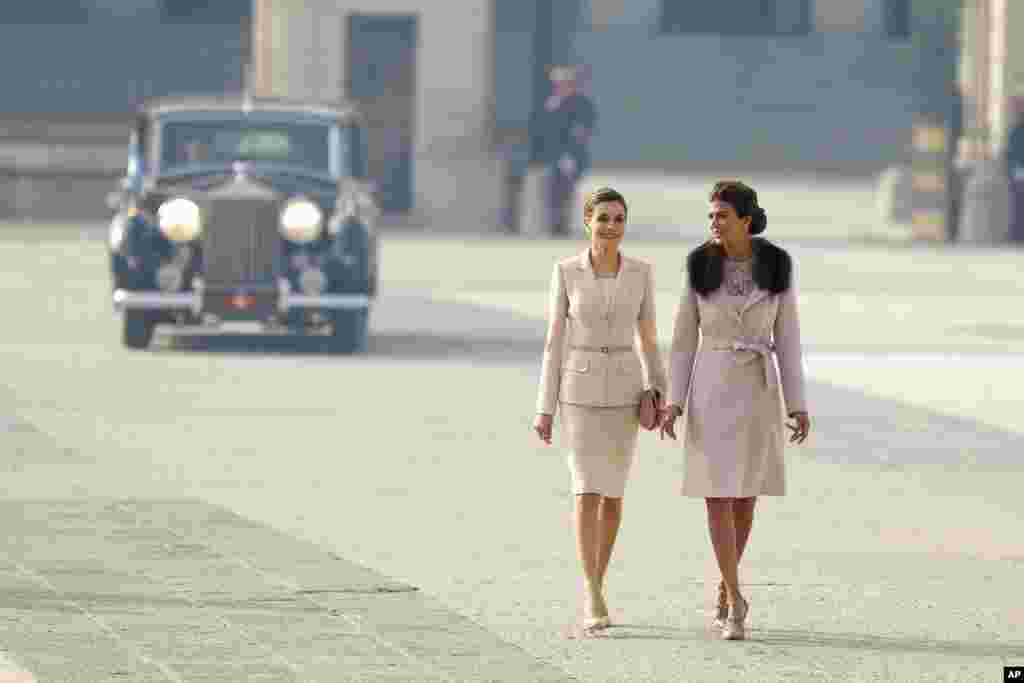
x=896, y=19
x=381, y=80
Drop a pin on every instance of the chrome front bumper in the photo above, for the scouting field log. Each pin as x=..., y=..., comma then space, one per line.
x=193, y=301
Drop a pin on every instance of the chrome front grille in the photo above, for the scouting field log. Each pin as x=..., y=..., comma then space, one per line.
x=241, y=243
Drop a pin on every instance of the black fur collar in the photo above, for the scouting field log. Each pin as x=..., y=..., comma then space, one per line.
x=772, y=267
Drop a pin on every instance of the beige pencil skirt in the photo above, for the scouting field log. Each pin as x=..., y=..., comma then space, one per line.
x=600, y=445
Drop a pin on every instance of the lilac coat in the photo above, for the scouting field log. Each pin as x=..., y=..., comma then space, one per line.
x=724, y=375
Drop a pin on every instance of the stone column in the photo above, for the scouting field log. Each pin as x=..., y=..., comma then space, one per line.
x=1007, y=68
x=269, y=59
x=986, y=204
x=1008, y=89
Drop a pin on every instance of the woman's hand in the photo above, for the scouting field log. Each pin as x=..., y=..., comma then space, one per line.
x=542, y=425
x=668, y=422
x=659, y=407
x=800, y=426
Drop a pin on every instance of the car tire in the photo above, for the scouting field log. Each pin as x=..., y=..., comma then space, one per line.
x=351, y=331
x=137, y=330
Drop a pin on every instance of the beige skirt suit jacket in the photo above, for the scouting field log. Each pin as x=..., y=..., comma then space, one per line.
x=594, y=368
x=736, y=363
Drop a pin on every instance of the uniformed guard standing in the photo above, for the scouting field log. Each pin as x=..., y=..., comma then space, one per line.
x=566, y=127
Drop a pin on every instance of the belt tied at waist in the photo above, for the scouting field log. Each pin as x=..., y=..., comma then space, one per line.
x=764, y=349
x=601, y=349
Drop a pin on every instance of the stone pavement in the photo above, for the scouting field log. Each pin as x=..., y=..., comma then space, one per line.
x=236, y=508
x=97, y=590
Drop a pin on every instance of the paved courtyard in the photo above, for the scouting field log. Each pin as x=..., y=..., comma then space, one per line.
x=243, y=508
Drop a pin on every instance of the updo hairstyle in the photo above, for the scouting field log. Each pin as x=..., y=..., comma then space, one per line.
x=599, y=196
x=743, y=199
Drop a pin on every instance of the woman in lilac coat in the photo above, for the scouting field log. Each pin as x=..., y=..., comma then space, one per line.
x=737, y=315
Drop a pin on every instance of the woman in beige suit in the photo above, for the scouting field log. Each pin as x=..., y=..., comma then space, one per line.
x=740, y=295
x=601, y=312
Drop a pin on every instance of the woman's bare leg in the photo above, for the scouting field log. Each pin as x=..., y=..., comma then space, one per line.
x=588, y=544
x=743, y=520
x=722, y=528
x=609, y=521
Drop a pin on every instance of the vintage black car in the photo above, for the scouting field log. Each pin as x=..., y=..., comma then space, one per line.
x=245, y=212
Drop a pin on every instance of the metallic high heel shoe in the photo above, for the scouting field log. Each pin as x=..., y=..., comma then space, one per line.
x=735, y=628
x=591, y=624
x=722, y=610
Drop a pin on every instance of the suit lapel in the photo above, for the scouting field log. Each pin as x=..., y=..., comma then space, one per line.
x=583, y=264
x=756, y=296
x=590, y=278
x=588, y=281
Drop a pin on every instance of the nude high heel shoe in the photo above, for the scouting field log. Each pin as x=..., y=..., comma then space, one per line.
x=597, y=623
x=735, y=626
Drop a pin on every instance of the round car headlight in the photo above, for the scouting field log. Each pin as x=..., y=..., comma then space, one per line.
x=301, y=220
x=179, y=220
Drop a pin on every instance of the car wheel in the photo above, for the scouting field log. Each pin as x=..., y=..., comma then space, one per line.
x=138, y=328
x=351, y=331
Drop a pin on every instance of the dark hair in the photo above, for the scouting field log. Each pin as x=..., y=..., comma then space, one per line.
x=600, y=195
x=743, y=200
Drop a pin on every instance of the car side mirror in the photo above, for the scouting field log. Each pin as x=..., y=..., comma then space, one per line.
x=127, y=187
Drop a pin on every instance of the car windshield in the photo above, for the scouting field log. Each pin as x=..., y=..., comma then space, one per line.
x=189, y=145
